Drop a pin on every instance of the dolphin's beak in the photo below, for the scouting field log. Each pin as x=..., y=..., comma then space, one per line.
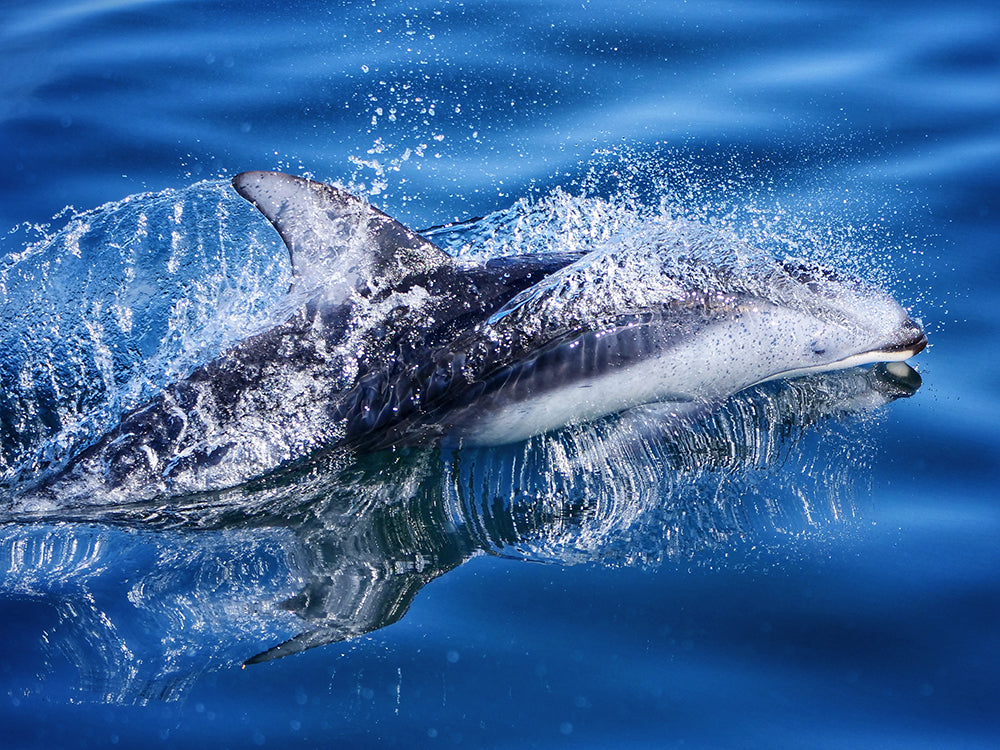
x=910, y=340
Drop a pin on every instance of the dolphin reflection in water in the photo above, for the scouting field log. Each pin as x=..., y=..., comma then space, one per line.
x=340, y=549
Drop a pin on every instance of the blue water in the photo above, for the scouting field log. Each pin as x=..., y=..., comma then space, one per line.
x=844, y=594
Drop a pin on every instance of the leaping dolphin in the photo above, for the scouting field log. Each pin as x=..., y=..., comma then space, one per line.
x=394, y=342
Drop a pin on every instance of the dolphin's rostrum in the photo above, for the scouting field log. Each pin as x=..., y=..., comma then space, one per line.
x=393, y=342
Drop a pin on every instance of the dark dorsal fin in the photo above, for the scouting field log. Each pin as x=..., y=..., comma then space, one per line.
x=337, y=242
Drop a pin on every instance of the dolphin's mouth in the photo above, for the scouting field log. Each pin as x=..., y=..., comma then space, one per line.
x=910, y=341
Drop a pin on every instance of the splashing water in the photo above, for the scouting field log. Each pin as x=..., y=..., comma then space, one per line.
x=124, y=299
x=131, y=296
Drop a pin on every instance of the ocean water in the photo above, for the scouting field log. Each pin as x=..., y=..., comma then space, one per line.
x=816, y=565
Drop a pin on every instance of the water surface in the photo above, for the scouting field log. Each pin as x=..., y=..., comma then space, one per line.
x=839, y=592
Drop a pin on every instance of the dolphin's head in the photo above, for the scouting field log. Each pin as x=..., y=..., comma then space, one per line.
x=680, y=313
x=831, y=321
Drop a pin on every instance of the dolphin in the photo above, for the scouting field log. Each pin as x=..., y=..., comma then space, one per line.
x=393, y=342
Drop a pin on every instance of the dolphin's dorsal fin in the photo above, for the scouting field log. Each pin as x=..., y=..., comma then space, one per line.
x=337, y=242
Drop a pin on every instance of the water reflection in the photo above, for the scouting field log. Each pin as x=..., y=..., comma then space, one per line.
x=142, y=600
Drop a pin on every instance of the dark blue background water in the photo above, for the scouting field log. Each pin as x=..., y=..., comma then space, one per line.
x=882, y=116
